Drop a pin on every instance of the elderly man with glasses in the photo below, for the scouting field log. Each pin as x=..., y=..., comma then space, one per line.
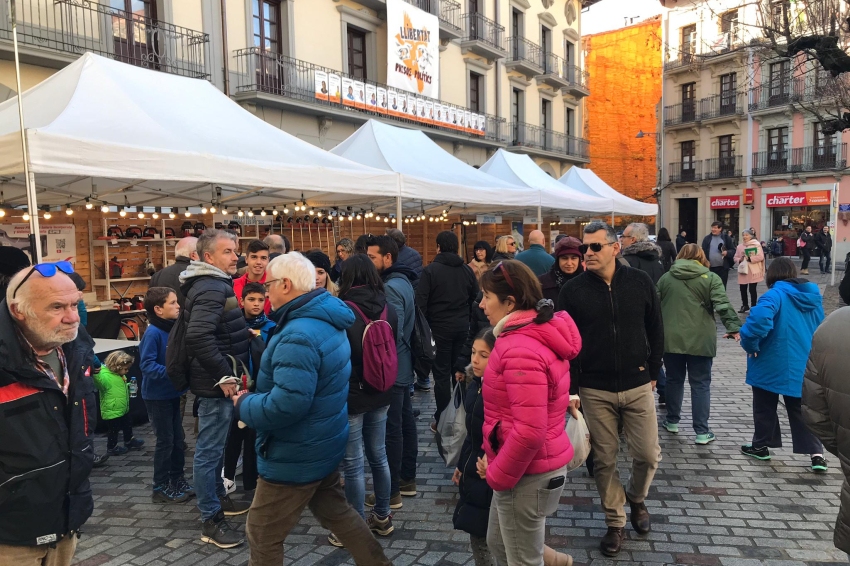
x=618, y=313
x=47, y=417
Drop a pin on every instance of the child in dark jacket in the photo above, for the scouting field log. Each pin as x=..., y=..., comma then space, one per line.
x=163, y=400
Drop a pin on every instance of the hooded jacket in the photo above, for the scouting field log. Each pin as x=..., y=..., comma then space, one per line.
x=645, y=256
x=114, y=395
x=536, y=258
x=621, y=329
x=299, y=409
x=526, y=394
x=472, y=511
x=690, y=295
x=778, y=330
x=216, y=327
x=46, y=452
x=412, y=259
x=446, y=292
x=398, y=289
x=170, y=277
x=826, y=404
x=362, y=398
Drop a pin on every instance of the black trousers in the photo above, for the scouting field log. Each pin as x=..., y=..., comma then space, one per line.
x=766, y=420
x=807, y=256
x=124, y=424
x=402, y=442
x=448, y=349
x=753, y=293
x=241, y=440
x=722, y=271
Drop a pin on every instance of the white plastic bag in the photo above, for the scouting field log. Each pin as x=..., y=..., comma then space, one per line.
x=451, y=429
x=743, y=267
x=579, y=438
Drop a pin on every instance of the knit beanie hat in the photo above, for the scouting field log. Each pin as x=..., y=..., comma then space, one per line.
x=319, y=259
x=568, y=246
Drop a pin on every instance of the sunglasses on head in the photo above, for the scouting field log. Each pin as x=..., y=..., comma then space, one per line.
x=504, y=270
x=594, y=247
x=46, y=270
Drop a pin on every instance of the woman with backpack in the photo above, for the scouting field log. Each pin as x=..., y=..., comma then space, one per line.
x=373, y=369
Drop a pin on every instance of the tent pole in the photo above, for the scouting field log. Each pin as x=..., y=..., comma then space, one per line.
x=35, y=232
x=398, y=219
x=833, y=212
x=612, y=219
x=539, y=217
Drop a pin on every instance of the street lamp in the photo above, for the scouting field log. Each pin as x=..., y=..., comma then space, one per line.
x=642, y=134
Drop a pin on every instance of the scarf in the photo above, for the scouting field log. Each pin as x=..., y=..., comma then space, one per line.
x=161, y=323
x=257, y=322
x=559, y=277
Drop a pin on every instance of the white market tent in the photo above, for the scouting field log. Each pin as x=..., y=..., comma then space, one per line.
x=521, y=170
x=589, y=183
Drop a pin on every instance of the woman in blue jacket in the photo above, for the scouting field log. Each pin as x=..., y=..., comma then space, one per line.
x=777, y=337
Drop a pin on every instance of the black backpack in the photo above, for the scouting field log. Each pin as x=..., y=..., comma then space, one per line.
x=177, y=358
x=422, y=344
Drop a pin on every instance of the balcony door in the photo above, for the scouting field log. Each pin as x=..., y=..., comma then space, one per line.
x=823, y=149
x=476, y=26
x=728, y=94
x=688, y=160
x=780, y=82
x=518, y=133
x=729, y=27
x=689, y=43
x=134, y=32
x=519, y=51
x=267, y=40
x=689, y=103
x=777, y=150
x=726, y=156
x=546, y=122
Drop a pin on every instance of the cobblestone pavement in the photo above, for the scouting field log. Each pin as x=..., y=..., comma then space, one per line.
x=710, y=505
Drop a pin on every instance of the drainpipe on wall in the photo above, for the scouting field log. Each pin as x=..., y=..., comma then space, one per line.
x=748, y=220
x=224, y=47
x=498, y=70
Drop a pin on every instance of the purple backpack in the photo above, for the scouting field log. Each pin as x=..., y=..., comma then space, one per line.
x=380, y=358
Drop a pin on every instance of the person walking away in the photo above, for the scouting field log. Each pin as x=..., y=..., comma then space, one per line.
x=536, y=257
x=163, y=400
x=482, y=255
x=402, y=441
x=112, y=385
x=47, y=417
x=690, y=295
x=445, y=295
x=344, y=249
x=681, y=240
x=216, y=340
x=362, y=290
x=807, y=242
x=525, y=444
x=322, y=264
x=278, y=245
x=749, y=252
x=618, y=313
x=567, y=266
x=640, y=252
x=668, y=249
x=256, y=261
x=826, y=404
x=823, y=241
x=505, y=249
x=787, y=314
x=185, y=251
x=300, y=413
x=716, y=248
x=407, y=255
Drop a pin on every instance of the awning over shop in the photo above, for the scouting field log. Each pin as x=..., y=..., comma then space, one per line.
x=587, y=182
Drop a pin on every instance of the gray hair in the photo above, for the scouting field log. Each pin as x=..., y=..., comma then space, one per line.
x=206, y=243
x=275, y=243
x=639, y=231
x=749, y=231
x=21, y=301
x=397, y=235
x=346, y=244
x=596, y=226
x=186, y=246
x=295, y=267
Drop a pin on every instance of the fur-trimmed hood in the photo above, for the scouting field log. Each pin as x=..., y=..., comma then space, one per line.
x=644, y=249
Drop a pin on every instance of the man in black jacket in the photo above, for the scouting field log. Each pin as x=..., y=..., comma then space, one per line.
x=48, y=414
x=640, y=252
x=719, y=249
x=216, y=334
x=445, y=294
x=186, y=251
x=618, y=314
x=823, y=240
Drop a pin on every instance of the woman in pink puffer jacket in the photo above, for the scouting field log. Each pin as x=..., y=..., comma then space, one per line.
x=526, y=390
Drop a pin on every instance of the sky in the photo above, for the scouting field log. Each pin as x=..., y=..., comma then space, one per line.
x=610, y=14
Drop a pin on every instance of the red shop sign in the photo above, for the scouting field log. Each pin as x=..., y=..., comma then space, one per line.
x=810, y=198
x=725, y=202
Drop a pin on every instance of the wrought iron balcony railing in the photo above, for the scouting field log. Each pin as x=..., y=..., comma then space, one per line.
x=271, y=73
x=576, y=76
x=76, y=26
x=723, y=167
x=535, y=137
x=682, y=113
x=682, y=60
x=448, y=11
x=827, y=157
x=774, y=94
x=480, y=28
x=719, y=105
x=523, y=51
x=685, y=171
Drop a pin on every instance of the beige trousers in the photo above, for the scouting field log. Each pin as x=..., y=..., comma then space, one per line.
x=42, y=555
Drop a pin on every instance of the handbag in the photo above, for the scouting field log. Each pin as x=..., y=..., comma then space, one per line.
x=579, y=436
x=709, y=307
x=800, y=242
x=743, y=267
x=451, y=429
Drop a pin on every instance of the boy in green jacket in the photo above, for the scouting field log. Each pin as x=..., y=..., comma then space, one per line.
x=111, y=383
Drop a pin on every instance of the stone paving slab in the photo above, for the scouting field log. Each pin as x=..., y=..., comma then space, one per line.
x=710, y=505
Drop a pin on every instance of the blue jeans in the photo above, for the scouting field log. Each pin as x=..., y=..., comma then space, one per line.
x=370, y=427
x=825, y=256
x=698, y=370
x=402, y=441
x=214, y=417
x=167, y=422
x=661, y=383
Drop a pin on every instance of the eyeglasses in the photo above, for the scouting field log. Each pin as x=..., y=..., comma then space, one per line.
x=595, y=247
x=46, y=270
x=501, y=267
x=268, y=284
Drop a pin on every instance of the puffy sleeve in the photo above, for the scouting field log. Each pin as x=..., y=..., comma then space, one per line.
x=759, y=322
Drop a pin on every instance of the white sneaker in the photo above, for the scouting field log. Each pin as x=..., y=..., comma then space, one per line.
x=229, y=486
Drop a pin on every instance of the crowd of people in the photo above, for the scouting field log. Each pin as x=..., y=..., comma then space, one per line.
x=304, y=370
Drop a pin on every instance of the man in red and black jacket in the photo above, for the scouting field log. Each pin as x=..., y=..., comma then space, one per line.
x=47, y=416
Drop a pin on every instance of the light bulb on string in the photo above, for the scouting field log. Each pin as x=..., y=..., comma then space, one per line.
x=263, y=212
x=319, y=214
x=104, y=209
x=26, y=217
x=239, y=213
x=68, y=210
x=47, y=215
x=155, y=215
x=2, y=212
x=250, y=213
x=224, y=210
x=312, y=212
x=204, y=209
x=274, y=211
x=286, y=210
x=212, y=209
x=123, y=213
x=89, y=204
x=172, y=215
x=187, y=214
x=141, y=215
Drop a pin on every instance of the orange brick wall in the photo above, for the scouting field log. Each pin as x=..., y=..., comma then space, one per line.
x=625, y=86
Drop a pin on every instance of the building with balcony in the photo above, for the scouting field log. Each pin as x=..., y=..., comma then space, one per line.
x=512, y=65
x=739, y=132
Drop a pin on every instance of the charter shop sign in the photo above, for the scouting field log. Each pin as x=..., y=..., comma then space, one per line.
x=811, y=198
x=413, y=49
x=725, y=202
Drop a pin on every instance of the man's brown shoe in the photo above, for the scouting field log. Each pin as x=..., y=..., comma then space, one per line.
x=640, y=517
x=612, y=541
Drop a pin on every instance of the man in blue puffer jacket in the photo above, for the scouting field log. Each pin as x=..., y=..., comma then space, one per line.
x=300, y=414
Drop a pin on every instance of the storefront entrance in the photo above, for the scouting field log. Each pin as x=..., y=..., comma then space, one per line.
x=688, y=212
x=790, y=213
x=727, y=210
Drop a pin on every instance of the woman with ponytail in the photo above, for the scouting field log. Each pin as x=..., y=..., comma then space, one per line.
x=526, y=391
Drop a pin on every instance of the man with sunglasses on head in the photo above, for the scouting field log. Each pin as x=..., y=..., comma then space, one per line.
x=618, y=313
x=48, y=414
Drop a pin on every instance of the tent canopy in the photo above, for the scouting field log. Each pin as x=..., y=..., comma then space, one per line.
x=589, y=183
x=521, y=170
x=166, y=138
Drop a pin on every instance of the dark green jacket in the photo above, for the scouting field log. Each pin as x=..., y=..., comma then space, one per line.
x=690, y=295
